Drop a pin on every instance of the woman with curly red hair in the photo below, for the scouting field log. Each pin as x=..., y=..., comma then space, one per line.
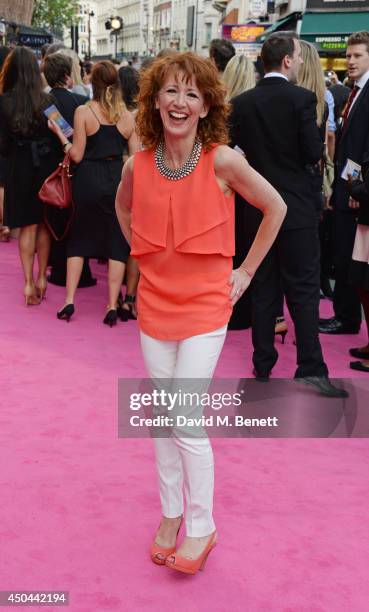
x=182, y=232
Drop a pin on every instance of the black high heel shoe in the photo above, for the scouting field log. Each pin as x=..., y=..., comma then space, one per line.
x=66, y=312
x=281, y=328
x=111, y=317
x=127, y=313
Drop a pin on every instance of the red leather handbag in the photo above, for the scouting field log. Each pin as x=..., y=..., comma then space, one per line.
x=57, y=188
x=57, y=191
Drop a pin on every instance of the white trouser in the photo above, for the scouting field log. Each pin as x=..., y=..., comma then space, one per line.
x=185, y=463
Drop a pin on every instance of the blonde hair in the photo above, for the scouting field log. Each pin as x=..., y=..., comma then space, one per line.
x=106, y=90
x=76, y=68
x=311, y=76
x=239, y=76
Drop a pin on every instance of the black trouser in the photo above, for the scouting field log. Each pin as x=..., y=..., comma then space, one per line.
x=346, y=303
x=293, y=262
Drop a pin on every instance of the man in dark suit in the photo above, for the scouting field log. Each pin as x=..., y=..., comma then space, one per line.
x=275, y=126
x=352, y=143
x=57, y=69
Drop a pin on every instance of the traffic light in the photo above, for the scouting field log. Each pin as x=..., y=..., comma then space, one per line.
x=115, y=24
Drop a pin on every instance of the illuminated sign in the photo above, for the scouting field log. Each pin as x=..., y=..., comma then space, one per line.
x=34, y=40
x=337, y=42
x=332, y=45
x=243, y=33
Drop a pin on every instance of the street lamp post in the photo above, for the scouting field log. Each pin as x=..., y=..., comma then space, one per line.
x=90, y=14
x=115, y=24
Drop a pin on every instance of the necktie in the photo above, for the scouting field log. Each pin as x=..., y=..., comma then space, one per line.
x=349, y=102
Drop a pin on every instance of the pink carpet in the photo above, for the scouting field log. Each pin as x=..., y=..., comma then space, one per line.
x=79, y=506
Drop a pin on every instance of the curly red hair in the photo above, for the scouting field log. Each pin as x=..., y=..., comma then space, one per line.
x=211, y=129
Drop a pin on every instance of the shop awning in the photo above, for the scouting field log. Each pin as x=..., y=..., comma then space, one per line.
x=329, y=32
x=287, y=23
x=333, y=23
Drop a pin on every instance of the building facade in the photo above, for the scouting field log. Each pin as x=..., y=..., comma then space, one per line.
x=194, y=25
x=152, y=25
x=133, y=38
x=86, y=26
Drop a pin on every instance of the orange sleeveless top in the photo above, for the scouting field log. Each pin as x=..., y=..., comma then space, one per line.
x=183, y=237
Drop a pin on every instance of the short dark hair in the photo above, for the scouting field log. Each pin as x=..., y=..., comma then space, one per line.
x=57, y=68
x=276, y=47
x=221, y=51
x=359, y=38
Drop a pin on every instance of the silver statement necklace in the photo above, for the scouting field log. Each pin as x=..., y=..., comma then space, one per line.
x=177, y=173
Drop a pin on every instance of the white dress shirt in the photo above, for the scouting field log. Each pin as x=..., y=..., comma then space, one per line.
x=360, y=83
x=275, y=74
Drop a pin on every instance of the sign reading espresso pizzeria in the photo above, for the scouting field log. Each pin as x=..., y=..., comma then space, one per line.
x=337, y=5
x=329, y=43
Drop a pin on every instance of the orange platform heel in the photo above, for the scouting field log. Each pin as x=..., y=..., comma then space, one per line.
x=160, y=550
x=192, y=566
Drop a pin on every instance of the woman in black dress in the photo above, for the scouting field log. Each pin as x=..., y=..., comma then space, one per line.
x=31, y=152
x=129, y=79
x=102, y=131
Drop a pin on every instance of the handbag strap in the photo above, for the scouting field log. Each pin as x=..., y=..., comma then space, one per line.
x=67, y=161
x=67, y=227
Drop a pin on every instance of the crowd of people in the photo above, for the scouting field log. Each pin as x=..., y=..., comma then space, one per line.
x=158, y=158
x=106, y=100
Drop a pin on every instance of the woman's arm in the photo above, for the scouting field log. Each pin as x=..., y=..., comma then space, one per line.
x=123, y=201
x=77, y=149
x=237, y=174
x=134, y=144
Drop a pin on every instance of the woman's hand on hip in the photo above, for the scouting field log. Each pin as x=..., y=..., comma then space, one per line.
x=240, y=281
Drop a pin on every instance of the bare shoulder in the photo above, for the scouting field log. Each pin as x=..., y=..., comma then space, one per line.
x=225, y=157
x=226, y=160
x=81, y=114
x=81, y=111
